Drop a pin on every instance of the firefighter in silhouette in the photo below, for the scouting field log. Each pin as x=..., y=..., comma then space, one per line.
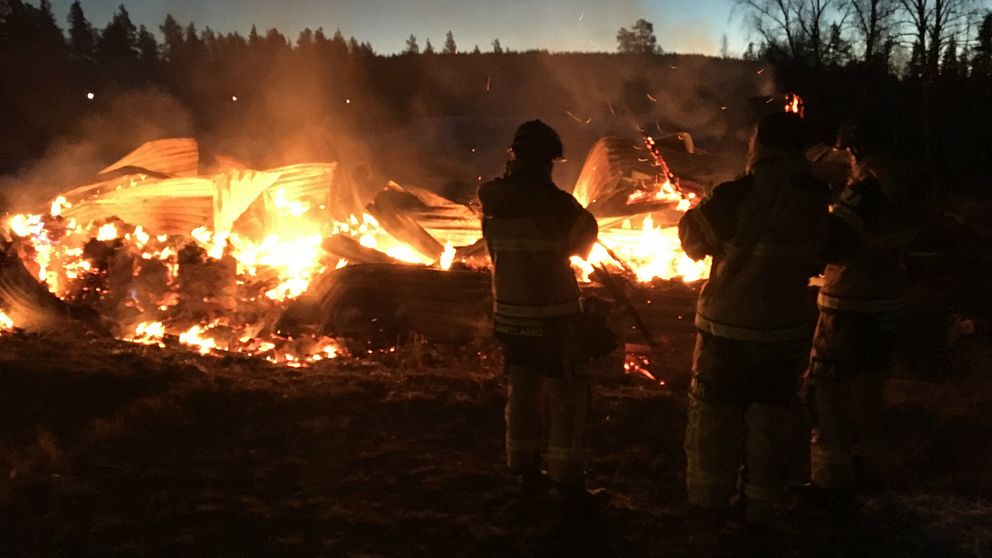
x=873, y=222
x=532, y=229
x=765, y=232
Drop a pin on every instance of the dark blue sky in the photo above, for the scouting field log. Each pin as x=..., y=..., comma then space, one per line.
x=681, y=25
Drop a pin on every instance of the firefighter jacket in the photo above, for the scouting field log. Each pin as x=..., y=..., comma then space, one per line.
x=874, y=222
x=765, y=232
x=532, y=229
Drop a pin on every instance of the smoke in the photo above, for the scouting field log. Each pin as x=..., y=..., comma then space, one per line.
x=440, y=122
x=117, y=125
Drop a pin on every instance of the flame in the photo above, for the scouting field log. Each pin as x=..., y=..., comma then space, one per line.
x=448, y=256
x=194, y=338
x=6, y=324
x=147, y=333
x=58, y=204
x=276, y=258
x=794, y=103
x=651, y=252
x=107, y=232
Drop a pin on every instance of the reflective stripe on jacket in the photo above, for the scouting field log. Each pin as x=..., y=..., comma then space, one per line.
x=531, y=229
x=875, y=220
x=765, y=232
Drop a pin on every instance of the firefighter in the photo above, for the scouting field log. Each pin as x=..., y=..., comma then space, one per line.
x=765, y=232
x=532, y=229
x=874, y=220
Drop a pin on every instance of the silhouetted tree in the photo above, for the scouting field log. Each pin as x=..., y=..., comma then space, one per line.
x=173, y=36
x=982, y=62
x=639, y=39
x=749, y=53
x=933, y=22
x=724, y=46
x=338, y=46
x=838, y=48
x=411, y=45
x=950, y=64
x=82, y=37
x=497, y=46
x=476, y=50
x=873, y=24
x=147, y=50
x=449, y=44
x=117, y=48
x=305, y=39
x=428, y=48
x=793, y=27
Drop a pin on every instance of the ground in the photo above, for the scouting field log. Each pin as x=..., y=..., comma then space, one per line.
x=112, y=449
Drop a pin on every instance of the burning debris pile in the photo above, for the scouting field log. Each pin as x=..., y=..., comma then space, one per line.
x=281, y=263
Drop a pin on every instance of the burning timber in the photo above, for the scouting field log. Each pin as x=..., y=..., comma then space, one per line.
x=282, y=263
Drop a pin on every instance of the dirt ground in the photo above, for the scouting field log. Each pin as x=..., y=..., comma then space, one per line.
x=111, y=449
x=114, y=449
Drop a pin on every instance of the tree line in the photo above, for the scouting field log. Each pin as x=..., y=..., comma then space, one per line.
x=925, y=65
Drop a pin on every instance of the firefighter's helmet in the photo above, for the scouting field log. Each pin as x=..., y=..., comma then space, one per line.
x=536, y=140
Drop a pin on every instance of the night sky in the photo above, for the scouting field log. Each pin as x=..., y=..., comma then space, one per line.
x=558, y=25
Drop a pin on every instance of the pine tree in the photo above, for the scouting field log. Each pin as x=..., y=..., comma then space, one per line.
x=838, y=48
x=411, y=45
x=981, y=64
x=305, y=40
x=497, y=46
x=119, y=40
x=449, y=44
x=428, y=48
x=174, y=41
x=82, y=37
x=147, y=46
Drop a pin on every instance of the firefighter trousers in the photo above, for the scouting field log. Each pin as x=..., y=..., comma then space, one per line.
x=568, y=402
x=743, y=416
x=844, y=394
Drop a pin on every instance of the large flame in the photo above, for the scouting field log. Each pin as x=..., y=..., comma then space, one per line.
x=273, y=243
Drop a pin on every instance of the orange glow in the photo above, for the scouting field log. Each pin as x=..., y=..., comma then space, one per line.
x=448, y=256
x=6, y=323
x=264, y=238
x=794, y=103
x=147, y=333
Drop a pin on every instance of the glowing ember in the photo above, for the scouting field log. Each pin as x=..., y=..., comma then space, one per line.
x=635, y=363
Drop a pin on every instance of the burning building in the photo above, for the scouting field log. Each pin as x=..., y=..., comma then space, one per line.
x=280, y=263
